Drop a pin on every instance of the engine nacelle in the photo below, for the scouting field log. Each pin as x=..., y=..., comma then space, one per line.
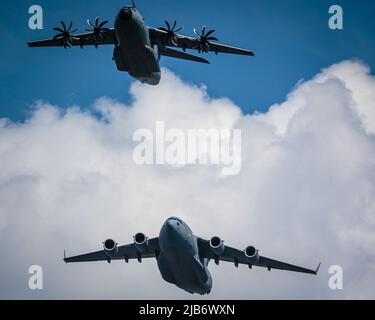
x=110, y=248
x=140, y=242
x=217, y=246
x=252, y=254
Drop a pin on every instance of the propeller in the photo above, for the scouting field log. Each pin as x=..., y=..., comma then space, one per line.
x=97, y=29
x=204, y=39
x=170, y=37
x=66, y=34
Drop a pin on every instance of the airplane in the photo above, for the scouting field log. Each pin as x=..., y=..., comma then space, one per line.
x=183, y=257
x=137, y=47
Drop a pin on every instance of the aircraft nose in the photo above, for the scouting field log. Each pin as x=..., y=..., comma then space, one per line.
x=172, y=227
x=126, y=14
x=171, y=224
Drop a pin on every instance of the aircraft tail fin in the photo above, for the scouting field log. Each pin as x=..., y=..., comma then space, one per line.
x=168, y=52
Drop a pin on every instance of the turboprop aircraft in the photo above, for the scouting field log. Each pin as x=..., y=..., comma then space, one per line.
x=138, y=47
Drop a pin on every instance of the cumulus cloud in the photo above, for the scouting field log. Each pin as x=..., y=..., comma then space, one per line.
x=305, y=193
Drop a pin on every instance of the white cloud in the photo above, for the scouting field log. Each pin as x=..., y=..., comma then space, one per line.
x=305, y=193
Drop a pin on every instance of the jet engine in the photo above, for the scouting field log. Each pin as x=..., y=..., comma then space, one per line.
x=252, y=254
x=140, y=242
x=110, y=248
x=217, y=246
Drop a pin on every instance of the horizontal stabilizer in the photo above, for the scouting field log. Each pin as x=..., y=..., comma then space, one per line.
x=168, y=52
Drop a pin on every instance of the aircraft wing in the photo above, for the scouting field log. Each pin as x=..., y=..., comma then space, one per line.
x=126, y=252
x=83, y=39
x=238, y=257
x=168, y=52
x=184, y=42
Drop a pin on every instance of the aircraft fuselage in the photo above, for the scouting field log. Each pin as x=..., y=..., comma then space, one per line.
x=134, y=52
x=179, y=261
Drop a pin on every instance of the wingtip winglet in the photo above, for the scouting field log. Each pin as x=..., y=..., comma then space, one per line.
x=317, y=269
x=64, y=255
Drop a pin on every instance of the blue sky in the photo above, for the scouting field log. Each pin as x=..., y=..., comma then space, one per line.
x=291, y=39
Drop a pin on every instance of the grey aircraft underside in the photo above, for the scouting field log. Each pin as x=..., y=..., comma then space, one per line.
x=137, y=47
x=182, y=257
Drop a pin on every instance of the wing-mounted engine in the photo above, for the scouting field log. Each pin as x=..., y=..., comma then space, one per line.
x=141, y=244
x=169, y=38
x=252, y=254
x=66, y=34
x=203, y=40
x=110, y=249
x=217, y=247
x=97, y=30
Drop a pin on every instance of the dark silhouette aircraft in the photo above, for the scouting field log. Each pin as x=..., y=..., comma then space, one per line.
x=138, y=48
x=182, y=257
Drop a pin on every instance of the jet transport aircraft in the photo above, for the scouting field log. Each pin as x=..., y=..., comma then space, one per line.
x=182, y=257
x=138, y=48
